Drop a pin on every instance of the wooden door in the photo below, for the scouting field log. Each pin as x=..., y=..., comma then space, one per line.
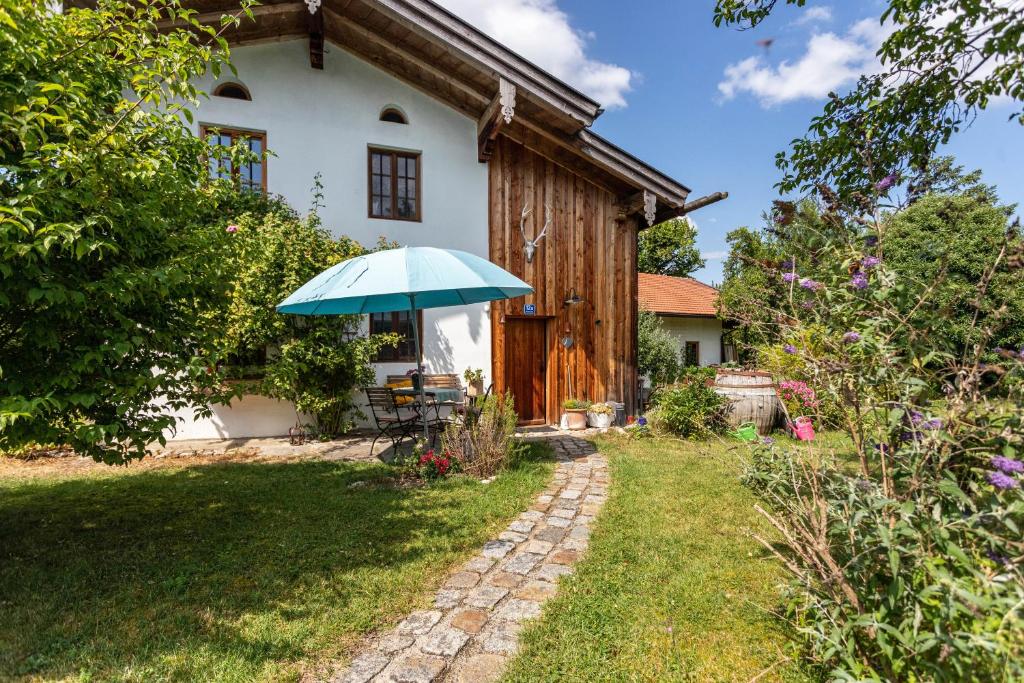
x=526, y=354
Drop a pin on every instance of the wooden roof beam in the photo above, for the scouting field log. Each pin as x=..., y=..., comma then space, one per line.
x=315, y=25
x=498, y=114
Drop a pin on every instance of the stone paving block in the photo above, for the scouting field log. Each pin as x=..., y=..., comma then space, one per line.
x=416, y=668
x=394, y=642
x=482, y=668
x=538, y=547
x=445, y=641
x=447, y=598
x=552, y=572
x=502, y=639
x=478, y=564
x=593, y=498
x=462, y=580
x=577, y=544
x=545, y=498
x=364, y=667
x=532, y=515
x=559, y=522
x=580, y=532
x=567, y=513
x=584, y=519
x=551, y=534
x=485, y=596
x=522, y=563
x=497, y=549
x=590, y=508
x=536, y=590
x=518, y=610
x=420, y=622
x=522, y=526
x=512, y=536
x=569, y=495
x=563, y=557
x=469, y=620
x=504, y=579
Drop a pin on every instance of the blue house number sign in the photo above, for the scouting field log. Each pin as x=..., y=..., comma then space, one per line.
x=529, y=309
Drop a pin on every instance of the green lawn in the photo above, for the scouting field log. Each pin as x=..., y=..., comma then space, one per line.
x=672, y=588
x=226, y=572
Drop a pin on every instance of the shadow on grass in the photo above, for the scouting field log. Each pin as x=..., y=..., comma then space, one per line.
x=226, y=572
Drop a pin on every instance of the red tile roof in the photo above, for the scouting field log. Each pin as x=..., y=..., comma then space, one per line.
x=669, y=295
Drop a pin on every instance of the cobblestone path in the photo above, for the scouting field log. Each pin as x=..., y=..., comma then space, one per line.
x=473, y=628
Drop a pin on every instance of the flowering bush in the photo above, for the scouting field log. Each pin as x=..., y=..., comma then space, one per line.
x=909, y=567
x=798, y=397
x=436, y=466
x=482, y=442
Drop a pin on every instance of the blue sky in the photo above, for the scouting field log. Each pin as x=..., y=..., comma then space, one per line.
x=660, y=65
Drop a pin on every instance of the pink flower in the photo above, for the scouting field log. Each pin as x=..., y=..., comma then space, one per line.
x=231, y=229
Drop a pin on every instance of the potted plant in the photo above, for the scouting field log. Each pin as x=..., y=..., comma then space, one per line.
x=575, y=415
x=600, y=415
x=474, y=381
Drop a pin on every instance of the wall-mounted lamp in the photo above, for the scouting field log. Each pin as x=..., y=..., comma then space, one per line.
x=574, y=298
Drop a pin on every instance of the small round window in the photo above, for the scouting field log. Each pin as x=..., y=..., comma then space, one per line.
x=392, y=115
x=234, y=91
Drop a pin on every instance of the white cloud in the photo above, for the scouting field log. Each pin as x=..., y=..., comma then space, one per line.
x=813, y=15
x=541, y=32
x=828, y=63
x=713, y=255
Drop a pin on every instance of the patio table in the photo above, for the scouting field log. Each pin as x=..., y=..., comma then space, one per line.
x=436, y=397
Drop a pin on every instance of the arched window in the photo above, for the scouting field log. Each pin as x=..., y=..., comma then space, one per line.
x=393, y=115
x=234, y=91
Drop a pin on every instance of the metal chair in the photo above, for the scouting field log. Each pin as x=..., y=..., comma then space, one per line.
x=389, y=418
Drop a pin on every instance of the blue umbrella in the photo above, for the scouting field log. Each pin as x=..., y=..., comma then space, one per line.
x=406, y=279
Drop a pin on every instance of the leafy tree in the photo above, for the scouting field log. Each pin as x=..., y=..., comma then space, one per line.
x=951, y=241
x=944, y=61
x=102, y=187
x=668, y=249
x=656, y=354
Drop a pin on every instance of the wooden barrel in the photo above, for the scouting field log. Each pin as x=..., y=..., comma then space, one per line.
x=752, y=398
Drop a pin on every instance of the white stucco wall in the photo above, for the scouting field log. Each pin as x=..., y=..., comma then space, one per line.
x=706, y=331
x=323, y=121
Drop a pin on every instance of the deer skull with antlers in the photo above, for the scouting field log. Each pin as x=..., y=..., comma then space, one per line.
x=530, y=246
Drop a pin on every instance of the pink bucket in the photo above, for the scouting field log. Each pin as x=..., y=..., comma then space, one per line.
x=804, y=429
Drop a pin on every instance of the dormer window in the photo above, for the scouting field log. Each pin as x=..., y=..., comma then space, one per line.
x=233, y=91
x=393, y=115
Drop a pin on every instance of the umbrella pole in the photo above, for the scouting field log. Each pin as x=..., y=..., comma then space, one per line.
x=419, y=363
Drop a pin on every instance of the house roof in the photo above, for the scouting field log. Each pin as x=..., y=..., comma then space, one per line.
x=435, y=51
x=677, y=296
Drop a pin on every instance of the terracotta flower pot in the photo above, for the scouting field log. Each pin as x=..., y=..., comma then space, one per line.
x=575, y=418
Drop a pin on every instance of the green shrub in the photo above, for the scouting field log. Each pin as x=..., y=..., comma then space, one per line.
x=691, y=410
x=483, y=444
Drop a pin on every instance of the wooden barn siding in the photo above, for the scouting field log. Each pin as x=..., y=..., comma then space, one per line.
x=586, y=247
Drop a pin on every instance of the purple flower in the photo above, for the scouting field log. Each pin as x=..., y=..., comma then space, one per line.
x=642, y=421
x=859, y=280
x=1002, y=481
x=768, y=441
x=789, y=348
x=871, y=241
x=932, y=424
x=997, y=558
x=788, y=264
x=788, y=277
x=870, y=261
x=807, y=305
x=813, y=285
x=915, y=417
x=232, y=229
x=887, y=182
x=851, y=337
x=1007, y=465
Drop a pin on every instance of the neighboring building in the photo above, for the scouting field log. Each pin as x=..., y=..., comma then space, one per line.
x=689, y=311
x=427, y=132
